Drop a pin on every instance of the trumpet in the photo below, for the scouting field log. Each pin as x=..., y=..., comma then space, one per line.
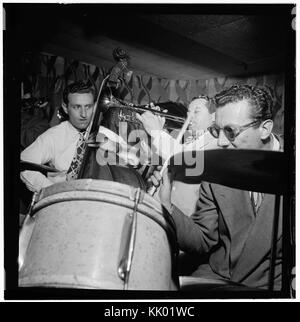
x=112, y=101
x=132, y=117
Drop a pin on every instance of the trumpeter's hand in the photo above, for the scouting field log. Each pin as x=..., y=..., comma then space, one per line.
x=151, y=122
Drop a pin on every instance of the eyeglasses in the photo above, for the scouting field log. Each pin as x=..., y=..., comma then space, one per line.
x=201, y=96
x=230, y=131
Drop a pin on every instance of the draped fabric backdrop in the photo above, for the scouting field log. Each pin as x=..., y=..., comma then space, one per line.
x=46, y=75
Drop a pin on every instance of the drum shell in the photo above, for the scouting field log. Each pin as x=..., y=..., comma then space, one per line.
x=77, y=238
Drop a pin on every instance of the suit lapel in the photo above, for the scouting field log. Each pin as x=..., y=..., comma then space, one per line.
x=258, y=243
x=237, y=212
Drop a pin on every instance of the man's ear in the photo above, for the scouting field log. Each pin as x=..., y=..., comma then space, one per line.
x=65, y=108
x=266, y=128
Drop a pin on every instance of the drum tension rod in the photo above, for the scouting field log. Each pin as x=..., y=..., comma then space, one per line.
x=130, y=234
x=33, y=202
x=26, y=230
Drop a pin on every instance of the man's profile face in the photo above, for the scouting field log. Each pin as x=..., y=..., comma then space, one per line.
x=238, y=114
x=202, y=119
x=80, y=109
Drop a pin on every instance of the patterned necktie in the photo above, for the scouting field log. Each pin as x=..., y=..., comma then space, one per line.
x=256, y=199
x=72, y=173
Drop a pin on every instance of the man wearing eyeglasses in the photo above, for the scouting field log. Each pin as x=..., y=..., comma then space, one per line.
x=233, y=228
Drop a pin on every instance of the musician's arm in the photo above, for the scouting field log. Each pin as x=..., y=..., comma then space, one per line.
x=198, y=233
x=165, y=144
x=39, y=152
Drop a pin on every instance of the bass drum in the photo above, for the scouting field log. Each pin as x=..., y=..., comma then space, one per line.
x=83, y=236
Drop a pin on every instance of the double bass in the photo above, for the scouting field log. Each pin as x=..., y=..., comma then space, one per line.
x=90, y=168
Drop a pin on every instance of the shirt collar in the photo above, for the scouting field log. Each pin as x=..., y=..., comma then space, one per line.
x=275, y=143
x=73, y=129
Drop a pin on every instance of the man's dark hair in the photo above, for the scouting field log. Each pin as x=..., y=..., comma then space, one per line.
x=259, y=97
x=77, y=87
x=210, y=103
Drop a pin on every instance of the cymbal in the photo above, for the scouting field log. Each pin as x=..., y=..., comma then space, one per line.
x=253, y=170
x=25, y=165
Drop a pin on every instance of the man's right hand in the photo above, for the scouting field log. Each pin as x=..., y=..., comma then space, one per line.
x=56, y=177
x=151, y=122
x=164, y=182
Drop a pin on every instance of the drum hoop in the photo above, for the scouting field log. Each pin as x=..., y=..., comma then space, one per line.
x=91, y=185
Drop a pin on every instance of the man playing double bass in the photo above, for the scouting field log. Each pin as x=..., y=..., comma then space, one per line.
x=62, y=146
x=231, y=226
x=57, y=146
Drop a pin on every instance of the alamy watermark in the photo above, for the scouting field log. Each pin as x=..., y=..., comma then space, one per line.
x=138, y=148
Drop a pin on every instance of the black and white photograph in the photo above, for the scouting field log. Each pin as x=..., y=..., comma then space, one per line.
x=149, y=152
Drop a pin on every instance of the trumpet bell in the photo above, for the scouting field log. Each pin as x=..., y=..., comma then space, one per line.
x=107, y=101
x=174, y=113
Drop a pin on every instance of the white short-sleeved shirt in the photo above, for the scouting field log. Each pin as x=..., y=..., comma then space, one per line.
x=57, y=147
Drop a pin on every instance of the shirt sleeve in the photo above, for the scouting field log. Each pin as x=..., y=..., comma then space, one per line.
x=199, y=232
x=166, y=145
x=39, y=152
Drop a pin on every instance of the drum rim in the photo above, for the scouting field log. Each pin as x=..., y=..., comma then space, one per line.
x=95, y=185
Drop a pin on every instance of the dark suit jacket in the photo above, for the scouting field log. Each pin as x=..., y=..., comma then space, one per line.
x=239, y=240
